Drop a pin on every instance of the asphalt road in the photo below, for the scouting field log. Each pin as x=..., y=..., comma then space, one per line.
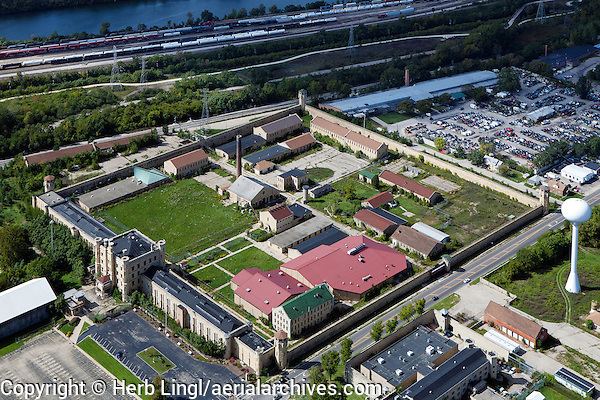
x=451, y=282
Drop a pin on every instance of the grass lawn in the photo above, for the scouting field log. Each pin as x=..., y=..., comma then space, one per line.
x=208, y=257
x=111, y=364
x=156, y=360
x=319, y=174
x=85, y=327
x=67, y=329
x=212, y=276
x=237, y=244
x=259, y=235
x=393, y=117
x=557, y=392
x=539, y=295
x=187, y=214
x=447, y=302
x=345, y=200
x=251, y=257
x=10, y=347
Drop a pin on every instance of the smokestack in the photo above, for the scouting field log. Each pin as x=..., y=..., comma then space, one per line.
x=406, y=77
x=238, y=154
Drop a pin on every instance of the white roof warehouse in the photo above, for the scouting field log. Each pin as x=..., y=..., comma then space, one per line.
x=419, y=91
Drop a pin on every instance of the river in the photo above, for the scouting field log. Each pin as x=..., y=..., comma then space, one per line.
x=88, y=18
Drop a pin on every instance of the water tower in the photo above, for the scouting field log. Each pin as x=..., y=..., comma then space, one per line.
x=576, y=211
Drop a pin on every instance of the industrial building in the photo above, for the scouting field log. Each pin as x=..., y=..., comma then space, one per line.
x=367, y=219
x=352, y=267
x=515, y=325
x=327, y=237
x=541, y=114
x=299, y=233
x=258, y=292
x=293, y=179
x=281, y=217
x=25, y=306
x=279, y=128
x=123, y=259
x=569, y=57
x=576, y=173
x=251, y=192
x=304, y=311
x=187, y=164
x=389, y=99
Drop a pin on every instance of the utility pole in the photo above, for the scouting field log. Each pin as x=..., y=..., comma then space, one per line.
x=143, y=74
x=541, y=12
x=114, y=73
x=351, y=41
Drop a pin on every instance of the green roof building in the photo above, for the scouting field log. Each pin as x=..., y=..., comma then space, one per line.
x=369, y=176
x=304, y=311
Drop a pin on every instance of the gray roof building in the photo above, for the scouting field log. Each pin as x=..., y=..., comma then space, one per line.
x=248, y=188
x=272, y=153
x=328, y=236
x=248, y=143
x=295, y=172
x=299, y=233
x=419, y=91
x=74, y=216
x=255, y=341
x=132, y=243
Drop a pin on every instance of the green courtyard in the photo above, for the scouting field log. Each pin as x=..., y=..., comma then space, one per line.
x=393, y=117
x=540, y=294
x=187, y=214
x=249, y=258
x=156, y=360
x=211, y=277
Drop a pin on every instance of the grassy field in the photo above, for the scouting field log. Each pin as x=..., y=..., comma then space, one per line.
x=553, y=393
x=236, y=244
x=580, y=363
x=448, y=302
x=156, y=360
x=111, y=364
x=6, y=348
x=393, y=117
x=249, y=258
x=345, y=200
x=319, y=174
x=540, y=296
x=187, y=214
x=212, y=276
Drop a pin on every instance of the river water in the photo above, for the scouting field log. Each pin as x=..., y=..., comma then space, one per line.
x=88, y=18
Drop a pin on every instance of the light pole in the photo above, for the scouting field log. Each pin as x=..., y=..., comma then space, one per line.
x=52, y=234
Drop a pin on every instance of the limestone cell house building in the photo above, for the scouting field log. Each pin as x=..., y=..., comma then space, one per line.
x=368, y=219
x=378, y=200
x=515, y=325
x=187, y=164
x=293, y=179
x=122, y=259
x=371, y=148
x=304, y=311
x=352, y=267
x=282, y=217
x=258, y=292
x=411, y=186
x=300, y=144
x=24, y=306
x=279, y=128
x=251, y=192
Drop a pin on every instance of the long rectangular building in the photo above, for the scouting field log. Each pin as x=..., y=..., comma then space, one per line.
x=389, y=99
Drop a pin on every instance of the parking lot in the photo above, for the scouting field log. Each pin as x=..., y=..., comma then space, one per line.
x=340, y=163
x=127, y=335
x=505, y=123
x=50, y=356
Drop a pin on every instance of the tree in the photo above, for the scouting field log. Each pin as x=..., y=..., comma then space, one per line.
x=419, y=306
x=104, y=28
x=476, y=158
x=407, y=312
x=206, y=16
x=315, y=375
x=460, y=153
x=589, y=324
x=583, y=87
x=390, y=325
x=508, y=80
x=440, y=143
x=589, y=233
x=406, y=107
x=391, y=77
x=330, y=362
x=14, y=246
x=504, y=169
x=157, y=383
x=346, y=349
x=376, y=331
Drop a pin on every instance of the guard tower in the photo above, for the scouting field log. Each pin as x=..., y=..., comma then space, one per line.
x=302, y=94
x=281, y=349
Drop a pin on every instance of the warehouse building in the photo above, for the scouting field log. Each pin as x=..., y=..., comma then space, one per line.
x=53, y=155
x=367, y=219
x=576, y=173
x=25, y=306
x=273, y=153
x=187, y=164
x=293, y=179
x=515, y=325
x=251, y=192
x=299, y=233
x=355, y=141
x=389, y=99
x=409, y=239
x=352, y=267
x=279, y=128
x=304, y=311
x=430, y=231
x=411, y=186
x=248, y=143
x=258, y=292
x=541, y=114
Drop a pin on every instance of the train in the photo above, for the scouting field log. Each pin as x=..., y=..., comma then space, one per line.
x=167, y=46
x=293, y=20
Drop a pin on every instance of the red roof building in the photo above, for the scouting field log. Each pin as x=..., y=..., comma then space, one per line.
x=53, y=155
x=515, y=325
x=366, y=218
x=186, y=164
x=300, y=143
x=352, y=267
x=258, y=292
x=379, y=200
x=410, y=185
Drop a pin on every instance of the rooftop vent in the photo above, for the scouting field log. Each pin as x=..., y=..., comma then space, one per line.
x=356, y=250
x=410, y=353
x=380, y=360
x=248, y=290
x=366, y=277
x=399, y=372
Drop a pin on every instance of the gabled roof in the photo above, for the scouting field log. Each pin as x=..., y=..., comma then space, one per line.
x=521, y=323
x=374, y=220
x=302, y=304
x=363, y=140
x=266, y=290
x=380, y=199
x=248, y=187
x=295, y=172
x=52, y=155
x=188, y=158
x=298, y=142
x=25, y=297
x=369, y=174
x=415, y=239
x=282, y=124
x=280, y=211
x=369, y=264
x=408, y=184
x=264, y=165
x=104, y=144
x=346, y=133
